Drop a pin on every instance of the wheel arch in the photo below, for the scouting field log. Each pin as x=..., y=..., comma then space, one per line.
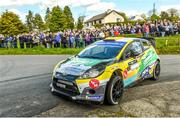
x=118, y=72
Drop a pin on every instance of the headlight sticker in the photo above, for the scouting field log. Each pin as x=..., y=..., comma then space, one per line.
x=94, y=83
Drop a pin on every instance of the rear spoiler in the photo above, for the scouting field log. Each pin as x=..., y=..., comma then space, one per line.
x=151, y=40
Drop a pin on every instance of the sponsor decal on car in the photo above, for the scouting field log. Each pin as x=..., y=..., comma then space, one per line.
x=94, y=83
x=125, y=74
x=94, y=97
x=148, y=71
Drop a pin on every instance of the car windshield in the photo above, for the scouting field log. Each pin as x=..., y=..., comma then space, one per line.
x=102, y=50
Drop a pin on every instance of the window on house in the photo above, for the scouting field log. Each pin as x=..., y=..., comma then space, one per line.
x=118, y=19
x=100, y=22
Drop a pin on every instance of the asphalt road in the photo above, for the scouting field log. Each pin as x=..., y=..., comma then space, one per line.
x=24, y=85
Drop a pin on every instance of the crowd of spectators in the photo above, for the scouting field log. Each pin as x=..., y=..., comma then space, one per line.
x=81, y=38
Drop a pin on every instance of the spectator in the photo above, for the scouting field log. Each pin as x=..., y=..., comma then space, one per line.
x=78, y=39
x=146, y=30
x=48, y=40
x=71, y=40
x=87, y=39
x=64, y=41
x=57, y=40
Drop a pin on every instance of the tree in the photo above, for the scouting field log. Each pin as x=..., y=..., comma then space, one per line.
x=143, y=16
x=10, y=24
x=69, y=18
x=173, y=13
x=47, y=14
x=124, y=16
x=152, y=12
x=154, y=17
x=80, y=23
x=47, y=18
x=38, y=22
x=57, y=20
x=29, y=21
x=164, y=15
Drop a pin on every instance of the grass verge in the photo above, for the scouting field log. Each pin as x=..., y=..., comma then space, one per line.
x=40, y=51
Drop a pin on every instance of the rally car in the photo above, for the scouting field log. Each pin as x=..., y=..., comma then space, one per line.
x=104, y=69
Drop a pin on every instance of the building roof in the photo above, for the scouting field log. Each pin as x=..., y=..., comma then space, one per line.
x=101, y=16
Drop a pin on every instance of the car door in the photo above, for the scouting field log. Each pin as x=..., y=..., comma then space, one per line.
x=131, y=62
x=148, y=60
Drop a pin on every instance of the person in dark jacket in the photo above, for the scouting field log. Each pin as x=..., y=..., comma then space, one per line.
x=64, y=41
x=77, y=40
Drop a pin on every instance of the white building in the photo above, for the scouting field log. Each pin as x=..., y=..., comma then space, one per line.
x=110, y=16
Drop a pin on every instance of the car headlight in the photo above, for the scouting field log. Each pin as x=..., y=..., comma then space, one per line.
x=93, y=72
x=57, y=66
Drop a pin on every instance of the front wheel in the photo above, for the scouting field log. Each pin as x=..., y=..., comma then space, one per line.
x=156, y=71
x=114, y=91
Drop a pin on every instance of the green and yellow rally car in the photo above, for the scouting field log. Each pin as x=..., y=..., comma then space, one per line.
x=104, y=69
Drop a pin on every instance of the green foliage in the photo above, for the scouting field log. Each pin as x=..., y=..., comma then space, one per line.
x=29, y=21
x=173, y=14
x=169, y=50
x=39, y=50
x=124, y=16
x=38, y=22
x=47, y=18
x=10, y=24
x=80, y=23
x=69, y=18
x=144, y=16
x=164, y=15
x=98, y=25
x=57, y=20
x=154, y=17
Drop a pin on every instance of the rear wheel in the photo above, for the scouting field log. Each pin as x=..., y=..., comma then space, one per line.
x=114, y=91
x=156, y=72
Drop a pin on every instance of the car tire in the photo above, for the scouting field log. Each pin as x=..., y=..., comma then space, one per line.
x=114, y=90
x=156, y=71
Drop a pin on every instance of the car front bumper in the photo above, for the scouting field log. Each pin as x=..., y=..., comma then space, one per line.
x=97, y=96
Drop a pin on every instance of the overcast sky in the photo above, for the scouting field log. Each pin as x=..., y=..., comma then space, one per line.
x=87, y=7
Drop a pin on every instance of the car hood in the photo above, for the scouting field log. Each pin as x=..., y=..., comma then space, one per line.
x=77, y=66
